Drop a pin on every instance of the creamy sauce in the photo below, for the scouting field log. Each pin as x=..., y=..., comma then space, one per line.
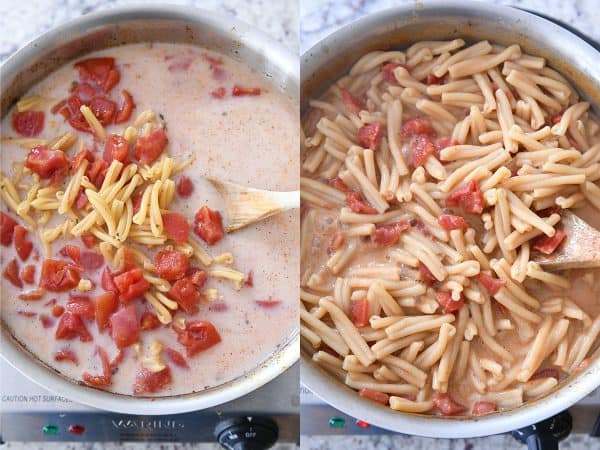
x=248, y=140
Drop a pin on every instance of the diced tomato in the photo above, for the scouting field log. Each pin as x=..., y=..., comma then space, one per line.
x=549, y=372
x=218, y=307
x=71, y=251
x=387, y=72
x=45, y=162
x=118, y=359
x=185, y=187
x=149, y=321
x=131, y=285
x=26, y=313
x=98, y=72
x=249, y=281
x=28, y=274
x=89, y=240
x=491, y=284
x=180, y=65
x=213, y=60
x=150, y=382
x=83, y=306
x=468, y=197
x=35, y=294
x=501, y=308
x=426, y=274
x=116, y=147
x=148, y=148
x=176, y=226
x=419, y=149
x=197, y=336
x=28, y=123
x=376, y=396
x=389, y=234
x=125, y=327
x=451, y=222
x=7, y=228
x=59, y=276
x=338, y=184
x=103, y=109
x=66, y=354
x=84, y=154
x=46, y=321
x=197, y=276
x=171, y=264
x=22, y=245
x=128, y=260
x=369, y=136
x=91, y=260
x=57, y=310
x=176, y=358
x=481, y=408
x=105, y=379
x=336, y=242
x=219, y=92
x=355, y=201
x=352, y=104
x=417, y=125
x=432, y=79
x=50, y=302
x=71, y=326
x=546, y=244
x=556, y=118
x=124, y=111
x=186, y=294
x=209, y=225
x=360, y=312
x=447, y=405
x=268, y=303
x=97, y=171
x=84, y=91
x=107, y=281
x=239, y=91
x=81, y=200
x=447, y=303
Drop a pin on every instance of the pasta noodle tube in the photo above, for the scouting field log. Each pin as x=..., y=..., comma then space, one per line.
x=416, y=324
x=348, y=332
x=402, y=404
x=547, y=339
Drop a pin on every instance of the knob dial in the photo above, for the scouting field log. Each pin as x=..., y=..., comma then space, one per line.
x=247, y=433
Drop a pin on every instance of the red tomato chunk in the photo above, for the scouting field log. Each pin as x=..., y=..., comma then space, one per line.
x=176, y=358
x=468, y=197
x=447, y=303
x=35, y=294
x=149, y=321
x=148, y=148
x=369, y=136
x=151, y=382
x=83, y=306
x=197, y=336
x=11, y=273
x=338, y=184
x=186, y=294
x=125, y=327
x=451, y=222
x=492, y=284
x=426, y=274
x=185, y=187
x=446, y=405
x=481, y=408
x=131, y=285
x=59, y=276
x=100, y=73
x=419, y=149
x=28, y=123
x=389, y=234
x=268, y=303
x=239, y=91
x=387, y=72
x=103, y=109
x=376, y=396
x=70, y=327
x=360, y=312
x=352, y=104
x=209, y=225
x=91, y=260
x=72, y=252
x=66, y=354
x=171, y=264
x=22, y=245
x=355, y=202
x=100, y=380
x=45, y=162
x=432, y=79
x=219, y=92
x=548, y=244
x=417, y=125
x=107, y=281
x=116, y=147
x=176, y=226
x=28, y=274
x=125, y=109
x=7, y=228
x=57, y=311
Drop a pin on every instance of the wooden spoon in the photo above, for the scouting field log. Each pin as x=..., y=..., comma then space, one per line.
x=246, y=206
x=580, y=249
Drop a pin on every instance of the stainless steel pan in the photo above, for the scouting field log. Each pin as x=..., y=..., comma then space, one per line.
x=397, y=28
x=143, y=24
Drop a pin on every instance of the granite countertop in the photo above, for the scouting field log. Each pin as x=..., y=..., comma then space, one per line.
x=318, y=19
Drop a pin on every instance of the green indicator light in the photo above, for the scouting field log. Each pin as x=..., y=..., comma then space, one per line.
x=50, y=429
x=337, y=422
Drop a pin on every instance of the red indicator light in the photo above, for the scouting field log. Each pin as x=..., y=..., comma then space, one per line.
x=76, y=429
x=363, y=424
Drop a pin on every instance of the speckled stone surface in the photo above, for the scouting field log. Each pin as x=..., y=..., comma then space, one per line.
x=319, y=18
